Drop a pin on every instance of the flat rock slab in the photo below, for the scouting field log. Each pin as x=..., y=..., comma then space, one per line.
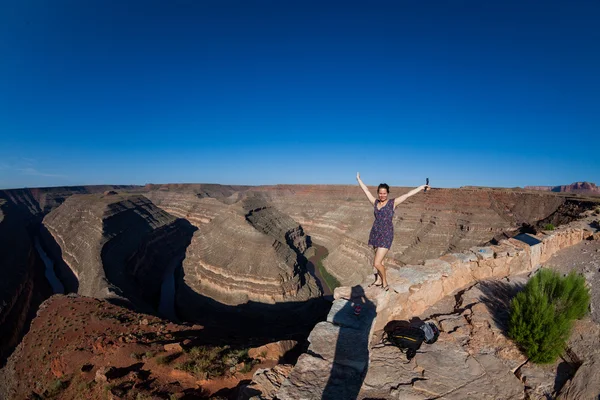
x=442, y=370
x=316, y=378
x=342, y=314
x=389, y=368
x=586, y=382
x=345, y=346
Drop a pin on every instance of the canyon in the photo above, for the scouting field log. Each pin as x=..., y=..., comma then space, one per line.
x=230, y=256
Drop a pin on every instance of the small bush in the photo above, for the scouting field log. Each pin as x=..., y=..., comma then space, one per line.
x=549, y=227
x=541, y=316
x=167, y=359
x=211, y=362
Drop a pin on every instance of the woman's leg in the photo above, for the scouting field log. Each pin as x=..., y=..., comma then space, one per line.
x=377, y=281
x=380, y=253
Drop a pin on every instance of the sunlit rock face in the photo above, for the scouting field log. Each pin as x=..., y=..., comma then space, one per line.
x=115, y=246
x=249, y=252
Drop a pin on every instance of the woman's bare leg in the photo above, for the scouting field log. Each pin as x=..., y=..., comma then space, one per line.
x=378, y=264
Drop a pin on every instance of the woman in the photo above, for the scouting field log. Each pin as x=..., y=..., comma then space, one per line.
x=382, y=232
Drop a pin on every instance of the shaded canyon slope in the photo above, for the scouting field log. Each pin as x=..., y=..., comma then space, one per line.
x=115, y=246
x=245, y=251
x=22, y=286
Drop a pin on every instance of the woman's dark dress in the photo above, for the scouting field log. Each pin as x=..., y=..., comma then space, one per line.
x=382, y=232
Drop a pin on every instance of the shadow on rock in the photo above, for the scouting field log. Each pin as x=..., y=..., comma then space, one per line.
x=252, y=323
x=351, y=357
x=496, y=295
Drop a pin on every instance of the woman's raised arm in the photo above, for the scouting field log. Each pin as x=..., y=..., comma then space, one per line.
x=400, y=199
x=365, y=189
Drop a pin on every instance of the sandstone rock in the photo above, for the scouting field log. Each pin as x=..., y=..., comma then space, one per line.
x=266, y=383
x=175, y=347
x=266, y=268
x=539, y=381
x=272, y=351
x=100, y=376
x=586, y=382
x=342, y=314
x=308, y=381
x=343, y=345
x=117, y=246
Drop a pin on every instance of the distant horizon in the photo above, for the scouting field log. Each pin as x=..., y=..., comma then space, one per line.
x=492, y=94
x=280, y=184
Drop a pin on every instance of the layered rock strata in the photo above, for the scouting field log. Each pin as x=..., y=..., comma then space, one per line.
x=249, y=252
x=115, y=246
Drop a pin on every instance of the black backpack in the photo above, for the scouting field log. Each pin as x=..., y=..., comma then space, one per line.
x=409, y=338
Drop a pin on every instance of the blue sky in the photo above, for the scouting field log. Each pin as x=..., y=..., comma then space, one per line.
x=264, y=92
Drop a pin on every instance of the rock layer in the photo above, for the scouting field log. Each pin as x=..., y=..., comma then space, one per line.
x=115, y=246
x=250, y=252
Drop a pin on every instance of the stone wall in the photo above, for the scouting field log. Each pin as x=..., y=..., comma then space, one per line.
x=417, y=287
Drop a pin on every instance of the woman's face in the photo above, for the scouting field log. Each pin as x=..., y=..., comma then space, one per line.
x=383, y=194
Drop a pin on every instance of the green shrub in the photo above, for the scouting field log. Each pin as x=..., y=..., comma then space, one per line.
x=211, y=362
x=541, y=316
x=549, y=227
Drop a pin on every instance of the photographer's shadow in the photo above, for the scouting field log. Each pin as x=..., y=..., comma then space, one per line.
x=351, y=357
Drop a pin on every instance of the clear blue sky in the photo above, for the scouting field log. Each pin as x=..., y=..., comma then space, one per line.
x=493, y=93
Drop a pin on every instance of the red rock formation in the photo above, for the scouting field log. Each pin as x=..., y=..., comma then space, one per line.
x=577, y=187
x=84, y=348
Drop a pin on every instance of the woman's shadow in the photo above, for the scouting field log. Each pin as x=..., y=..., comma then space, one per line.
x=351, y=357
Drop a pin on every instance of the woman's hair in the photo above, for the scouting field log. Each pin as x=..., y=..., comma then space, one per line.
x=383, y=186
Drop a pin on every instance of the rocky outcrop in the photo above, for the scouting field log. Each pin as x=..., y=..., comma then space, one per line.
x=577, y=187
x=115, y=246
x=474, y=326
x=586, y=382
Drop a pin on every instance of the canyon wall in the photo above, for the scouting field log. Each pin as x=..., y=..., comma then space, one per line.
x=115, y=246
x=22, y=286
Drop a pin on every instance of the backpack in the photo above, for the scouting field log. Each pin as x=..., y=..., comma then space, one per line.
x=409, y=338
